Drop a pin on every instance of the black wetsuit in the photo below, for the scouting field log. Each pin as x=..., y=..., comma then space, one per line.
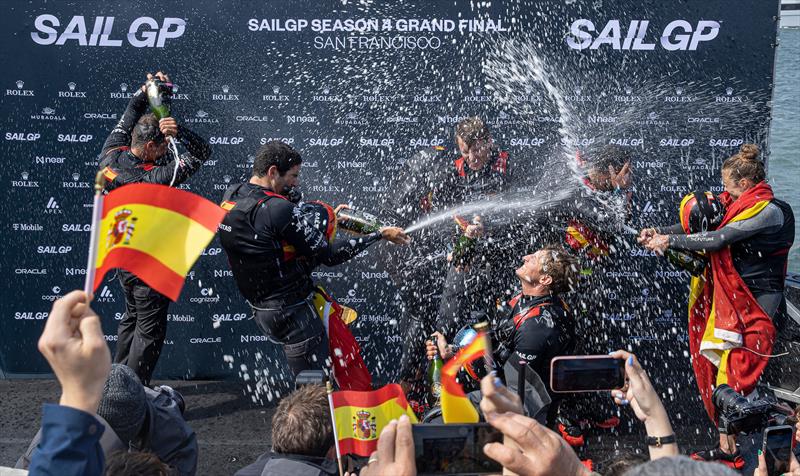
x=272, y=250
x=759, y=250
x=143, y=328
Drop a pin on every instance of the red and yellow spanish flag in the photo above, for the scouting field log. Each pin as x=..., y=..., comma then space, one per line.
x=730, y=335
x=155, y=232
x=456, y=407
x=359, y=417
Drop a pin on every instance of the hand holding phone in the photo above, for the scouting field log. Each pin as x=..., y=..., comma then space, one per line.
x=454, y=449
x=777, y=457
x=586, y=373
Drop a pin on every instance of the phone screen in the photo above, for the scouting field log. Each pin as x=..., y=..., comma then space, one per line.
x=586, y=373
x=777, y=448
x=455, y=449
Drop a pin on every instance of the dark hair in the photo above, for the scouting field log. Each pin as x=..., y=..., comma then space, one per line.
x=146, y=130
x=612, y=155
x=561, y=266
x=275, y=153
x=471, y=130
x=136, y=463
x=620, y=464
x=302, y=423
x=746, y=165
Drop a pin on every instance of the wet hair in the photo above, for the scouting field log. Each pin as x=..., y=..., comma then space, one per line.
x=612, y=155
x=146, y=130
x=680, y=466
x=620, y=464
x=275, y=153
x=471, y=130
x=302, y=423
x=745, y=164
x=561, y=266
x=136, y=463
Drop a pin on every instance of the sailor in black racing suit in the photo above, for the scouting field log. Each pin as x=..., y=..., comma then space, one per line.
x=272, y=249
x=136, y=152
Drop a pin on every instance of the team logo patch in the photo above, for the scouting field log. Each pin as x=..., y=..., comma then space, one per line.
x=109, y=174
x=227, y=205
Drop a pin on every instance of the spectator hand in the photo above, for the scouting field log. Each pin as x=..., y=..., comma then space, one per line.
x=640, y=394
x=73, y=344
x=168, y=126
x=621, y=179
x=497, y=398
x=395, y=453
x=395, y=234
x=761, y=470
x=658, y=243
x=541, y=452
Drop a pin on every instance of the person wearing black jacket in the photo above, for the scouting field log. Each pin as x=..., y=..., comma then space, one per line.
x=136, y=152
x=272, y=249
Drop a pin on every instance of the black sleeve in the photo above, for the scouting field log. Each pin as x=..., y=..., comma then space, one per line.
x=121, y=134
x=770, y=218
x=676, y=229
x=196, y=146
x=310, y=242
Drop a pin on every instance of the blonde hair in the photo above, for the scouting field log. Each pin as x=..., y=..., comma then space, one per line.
x=745, y=165
x=561, y=266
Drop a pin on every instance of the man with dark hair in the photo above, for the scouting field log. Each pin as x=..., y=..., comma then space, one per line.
x=135, y=152
x=136, y=463
x=272, y=249
x=302, y=437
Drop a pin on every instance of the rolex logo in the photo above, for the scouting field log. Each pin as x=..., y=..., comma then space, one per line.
x=225, y=89
x=76, y=176
x=729, y=91
x=377, y=90
x=478, y=91
x=673, y=180
x=275, y=89
x=174, y=88
x=428, y=91
x=628, y=90
x=24, y=175
x=123, y=87
x=71, y=86
x=578, y=91
x=678, y=91
x=326, y=90
x=20, y=84
x=326, y=180
x=226, y=178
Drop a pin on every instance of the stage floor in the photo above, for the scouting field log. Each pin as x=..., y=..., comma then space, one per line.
x=232, y=430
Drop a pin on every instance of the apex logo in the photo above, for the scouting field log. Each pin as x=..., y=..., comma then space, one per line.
x=105, y=295
x=142, y=32
x=52, y=207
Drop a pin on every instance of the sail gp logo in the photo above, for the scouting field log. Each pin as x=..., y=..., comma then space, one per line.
x=143, y=32
x=678, y=35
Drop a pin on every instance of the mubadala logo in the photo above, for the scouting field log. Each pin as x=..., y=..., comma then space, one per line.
x=74, y=137
x=52, y=207
x=295, y=119
x=201, y=117
x=100, y=116
x=25, y=182
x=325, y=142
x=478, y=96
x=627, y=141
x=225, y=96
x=679, y=97
x=285, y=140
x=653, y=119
x=71, y=92
x=31, y=316
x=42, y=160
x=19, y=91
x=725, y=142
x=105, y=295
x=376, y=142
x=225, y=140
x=702, y=120
x=678, y=35
x=351, y=119
x=30, y=271
x=23, y=136
x=275, y=96
x=47, y=114
x=426, y=142
x=698, y=164
x=729, y=97
x=76, y=183
x=27, y=227
x=527, y=141
x=675, y=142
x=427, y=96
x=143, y=32
x=326, y=96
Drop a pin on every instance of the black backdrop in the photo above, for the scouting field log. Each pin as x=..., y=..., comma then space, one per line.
x=357, y=104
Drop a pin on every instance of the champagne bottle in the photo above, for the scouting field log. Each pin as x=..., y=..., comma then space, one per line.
x=358, y=221
x=691, y=262
x=463, y=244
x=435, y=374
x=159, y=95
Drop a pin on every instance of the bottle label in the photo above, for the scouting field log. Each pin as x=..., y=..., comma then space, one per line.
x=436, y=389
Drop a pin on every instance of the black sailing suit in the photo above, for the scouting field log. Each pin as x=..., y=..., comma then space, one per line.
x=143, y=327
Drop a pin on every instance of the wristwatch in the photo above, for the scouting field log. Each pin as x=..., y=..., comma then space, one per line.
x=659, y=441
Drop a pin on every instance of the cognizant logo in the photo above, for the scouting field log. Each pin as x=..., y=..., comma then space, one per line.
x=678, y=35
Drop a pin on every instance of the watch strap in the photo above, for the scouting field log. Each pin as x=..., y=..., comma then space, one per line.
x=659, y=441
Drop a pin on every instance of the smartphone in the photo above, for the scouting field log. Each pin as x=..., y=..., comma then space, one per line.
x=455, y=449
x=586, y=373
x=778, y=448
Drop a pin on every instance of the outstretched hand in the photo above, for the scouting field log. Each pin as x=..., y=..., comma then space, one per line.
x=395, y=234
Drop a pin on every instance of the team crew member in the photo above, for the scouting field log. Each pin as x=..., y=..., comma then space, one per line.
x=272, y=250
x=134, y=152
x=534, y=326
x=748, y=253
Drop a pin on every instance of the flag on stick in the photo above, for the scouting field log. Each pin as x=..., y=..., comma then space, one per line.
x=153, y=231
x=456, y=407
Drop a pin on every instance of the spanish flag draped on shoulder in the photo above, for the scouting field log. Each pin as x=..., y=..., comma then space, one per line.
x=730, y=335
x=155, y=232
x=456, y=407
x=360, y=416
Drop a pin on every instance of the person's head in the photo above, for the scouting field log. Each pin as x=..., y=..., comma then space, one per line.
x=550, y=270
x=136, y=463
x=123, y=403
x=277, y=166
x=302, y=423
x=599, y=165
x=680, y=466
x=619, y=464
x=474, y=141
x=147, y=141
x=742, y=171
